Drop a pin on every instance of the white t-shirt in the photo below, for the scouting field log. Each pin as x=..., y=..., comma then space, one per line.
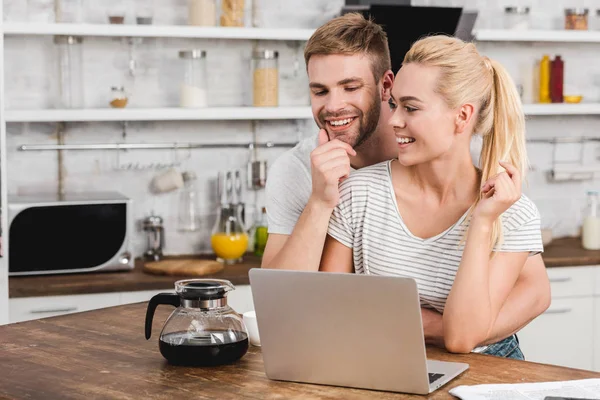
x=368, y=221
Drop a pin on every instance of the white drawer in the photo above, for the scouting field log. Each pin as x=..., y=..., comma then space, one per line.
x=563, y=335
x=597, y=292
x=138, y=297
x=28, y=308
x=572, y=281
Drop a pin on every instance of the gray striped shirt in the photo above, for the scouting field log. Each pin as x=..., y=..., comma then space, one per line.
x=368, y=221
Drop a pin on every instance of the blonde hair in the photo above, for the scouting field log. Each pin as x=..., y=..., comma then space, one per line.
x=468, y=77
x=352, y=34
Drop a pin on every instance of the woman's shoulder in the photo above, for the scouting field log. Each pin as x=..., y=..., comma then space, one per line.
x=523, y=211
x=367, y=176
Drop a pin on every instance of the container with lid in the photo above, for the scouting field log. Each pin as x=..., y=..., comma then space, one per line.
x=118, y=97
x=576, y=18
x=516, y=18
x=202, y=12
x=265, y=78
x=232, y=13
x=194, y=85
x=590, y=231
x=188, y=204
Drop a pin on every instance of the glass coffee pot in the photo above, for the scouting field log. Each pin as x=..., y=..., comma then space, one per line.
x=203, y=330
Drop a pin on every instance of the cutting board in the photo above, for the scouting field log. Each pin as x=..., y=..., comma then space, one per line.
x=183, y=267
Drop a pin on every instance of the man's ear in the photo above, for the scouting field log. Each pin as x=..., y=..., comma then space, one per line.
x=387, y=82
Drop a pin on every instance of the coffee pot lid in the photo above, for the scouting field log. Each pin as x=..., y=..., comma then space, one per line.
x=203, y=289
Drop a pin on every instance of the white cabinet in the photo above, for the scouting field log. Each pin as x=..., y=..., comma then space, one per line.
x=567, y=333
x=28, y=308
x=563, y=335
x=597, y=333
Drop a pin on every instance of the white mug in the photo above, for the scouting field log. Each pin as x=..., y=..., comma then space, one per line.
x=252, y=327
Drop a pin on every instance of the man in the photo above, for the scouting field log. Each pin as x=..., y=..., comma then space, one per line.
x=348, y=65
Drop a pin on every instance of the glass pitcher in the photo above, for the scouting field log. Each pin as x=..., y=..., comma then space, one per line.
x=229, y=240
x=203, y=330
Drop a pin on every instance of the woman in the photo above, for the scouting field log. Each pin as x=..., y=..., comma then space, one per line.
x=463, y=233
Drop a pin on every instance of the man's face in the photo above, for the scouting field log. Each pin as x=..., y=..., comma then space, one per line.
x=345, y=98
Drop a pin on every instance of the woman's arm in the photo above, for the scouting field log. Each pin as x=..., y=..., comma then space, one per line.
x=336, y=257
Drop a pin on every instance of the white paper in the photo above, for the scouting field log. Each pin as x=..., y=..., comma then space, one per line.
x=585, y=389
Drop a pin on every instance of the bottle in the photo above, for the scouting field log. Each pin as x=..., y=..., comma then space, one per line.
x=556, y=80
x=261, y=234
x=590, y=232
x=188, y=204
x=545, y=79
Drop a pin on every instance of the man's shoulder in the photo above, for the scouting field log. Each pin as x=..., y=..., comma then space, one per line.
x=297, y=157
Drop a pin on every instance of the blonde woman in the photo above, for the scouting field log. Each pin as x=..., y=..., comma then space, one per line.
x=463, y=233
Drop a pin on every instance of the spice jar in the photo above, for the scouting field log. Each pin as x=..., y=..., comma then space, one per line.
x=232, y=13
x=576, y=19
x=265, y=78
x=193, y=87
x=202, y=12
x=118, y=97
x=516, y=18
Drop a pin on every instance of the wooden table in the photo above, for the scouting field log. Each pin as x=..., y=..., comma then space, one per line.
x=102, y=354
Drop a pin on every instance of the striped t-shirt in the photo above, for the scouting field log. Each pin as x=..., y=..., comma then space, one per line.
x=368, y=221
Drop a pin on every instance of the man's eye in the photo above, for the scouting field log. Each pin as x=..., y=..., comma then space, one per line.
x=352, y=89
x=392, y=105
x=320, y=93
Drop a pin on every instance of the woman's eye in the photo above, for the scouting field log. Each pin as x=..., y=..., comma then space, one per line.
x=409, y=109
x=392, y=105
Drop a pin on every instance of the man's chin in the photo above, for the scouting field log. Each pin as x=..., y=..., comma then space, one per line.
x=346, y=137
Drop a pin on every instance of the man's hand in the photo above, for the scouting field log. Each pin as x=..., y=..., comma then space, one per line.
x=330, y=165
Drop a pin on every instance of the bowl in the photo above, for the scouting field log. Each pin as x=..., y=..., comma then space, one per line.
x=573, y=99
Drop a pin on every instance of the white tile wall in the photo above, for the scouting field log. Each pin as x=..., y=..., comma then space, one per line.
x=30, y=80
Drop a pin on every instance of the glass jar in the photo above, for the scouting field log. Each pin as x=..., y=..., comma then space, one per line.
x=70, y=72
x=232, y=13
x=597, y=20
x=576, y=19
x=590, y=231
x=202, y=12
x=144, y=12
x=69, y=11
x=193, y=87
x=118, y=97
x=265, y=78
x=188, y=204
x=516, y=18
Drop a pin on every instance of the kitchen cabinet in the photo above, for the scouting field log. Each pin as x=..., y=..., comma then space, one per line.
x=28, y=308
x=565, y=334
x=597, y=333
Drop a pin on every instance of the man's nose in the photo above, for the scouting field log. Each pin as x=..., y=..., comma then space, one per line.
x=335, y=102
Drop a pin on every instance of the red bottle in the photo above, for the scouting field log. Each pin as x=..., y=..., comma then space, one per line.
x=556, y=80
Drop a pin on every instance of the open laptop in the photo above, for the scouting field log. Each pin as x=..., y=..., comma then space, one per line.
x=351, y=330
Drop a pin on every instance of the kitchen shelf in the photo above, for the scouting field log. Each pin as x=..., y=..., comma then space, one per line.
x=165, y=31
x=159, y=114
x=562, y=109
x=532, y=35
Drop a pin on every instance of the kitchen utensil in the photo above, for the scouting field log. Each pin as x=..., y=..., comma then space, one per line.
x=240, y=207
x=167, y=181
x=203, y=330
x=184, y=267
x=257, y=175
x=153, y=226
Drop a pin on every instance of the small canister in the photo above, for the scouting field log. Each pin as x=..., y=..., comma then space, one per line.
x=193, y=87
x=265, y=78
x=232, y=13
x=576, y=19
x=516, y=18
x=153, y=226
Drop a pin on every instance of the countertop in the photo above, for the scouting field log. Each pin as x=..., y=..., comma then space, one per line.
x=122, y=281
x=103, y=354
x=561, y=252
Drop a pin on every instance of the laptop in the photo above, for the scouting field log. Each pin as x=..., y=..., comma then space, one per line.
x=349, y=330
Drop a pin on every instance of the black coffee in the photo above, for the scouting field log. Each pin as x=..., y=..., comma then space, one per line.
x=205, y=349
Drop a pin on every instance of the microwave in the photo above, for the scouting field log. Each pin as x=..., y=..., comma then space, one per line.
x=80, y=232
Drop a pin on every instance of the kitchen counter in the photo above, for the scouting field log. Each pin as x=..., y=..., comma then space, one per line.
x=123, y=281
x=103, y=354
x=560, y=253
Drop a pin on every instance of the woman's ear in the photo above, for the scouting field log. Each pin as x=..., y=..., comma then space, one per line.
x=464, y=117
x=387, y=82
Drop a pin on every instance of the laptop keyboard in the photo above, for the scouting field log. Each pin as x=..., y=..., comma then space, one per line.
x=434, y=377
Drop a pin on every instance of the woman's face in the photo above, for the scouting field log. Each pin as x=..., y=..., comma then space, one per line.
x=425, y=127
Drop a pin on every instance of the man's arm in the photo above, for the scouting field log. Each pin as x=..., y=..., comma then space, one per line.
x=302, y=249
x=529, y=298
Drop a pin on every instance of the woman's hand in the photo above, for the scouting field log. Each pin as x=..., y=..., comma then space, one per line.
x=498, y=193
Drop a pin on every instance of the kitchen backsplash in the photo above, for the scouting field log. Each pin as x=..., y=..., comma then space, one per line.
x=29, y=78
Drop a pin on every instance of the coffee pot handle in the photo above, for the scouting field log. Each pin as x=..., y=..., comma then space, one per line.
x=155, y=301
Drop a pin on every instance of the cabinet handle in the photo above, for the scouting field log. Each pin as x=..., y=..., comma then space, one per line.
x=561, y=280
x=53, y=310
x=559, y=311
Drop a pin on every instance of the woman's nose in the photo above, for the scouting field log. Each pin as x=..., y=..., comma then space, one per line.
x=397, y=120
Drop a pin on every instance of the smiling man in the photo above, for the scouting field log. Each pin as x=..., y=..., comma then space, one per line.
x=350, y=78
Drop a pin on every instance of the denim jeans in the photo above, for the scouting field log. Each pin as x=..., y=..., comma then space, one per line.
x=507, y=348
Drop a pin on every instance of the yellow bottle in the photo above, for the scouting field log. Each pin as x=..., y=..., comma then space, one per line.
x=545, y=79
